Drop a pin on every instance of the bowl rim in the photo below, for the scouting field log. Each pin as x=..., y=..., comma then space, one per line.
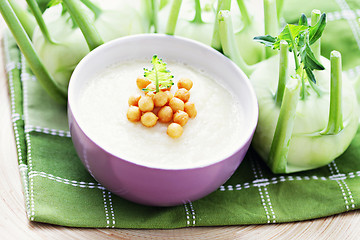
x=146, y=37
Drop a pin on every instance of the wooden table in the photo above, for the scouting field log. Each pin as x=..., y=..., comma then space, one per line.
x=15, y=225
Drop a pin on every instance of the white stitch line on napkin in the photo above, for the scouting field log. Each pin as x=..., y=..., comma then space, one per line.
x=263, y=202
x=25, y=89
x=187, y=215
x=275, y=180
x=341, y=187
x=346, y=186
x=192, y=213
x=349, y=194
x=30, y=128
x=15, y=118
x=24, y=173
x=111, y=210
x=74, y=183
x=27, y=138
x=32, y=202
x=106, y=210
x=54, y=132
x=350, y=17
x=267, y=195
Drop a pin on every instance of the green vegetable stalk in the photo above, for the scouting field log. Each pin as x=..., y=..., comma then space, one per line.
x=280, y=145
x=230, y=48
x=188, y=18
x=25, y=18
x=239, y=45
x=84, y=22
x=335, y=123
x=216, y=42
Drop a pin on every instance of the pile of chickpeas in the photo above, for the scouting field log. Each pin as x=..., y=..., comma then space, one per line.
x=162, y=106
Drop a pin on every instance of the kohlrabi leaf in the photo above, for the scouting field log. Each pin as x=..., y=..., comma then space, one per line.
x=54, y=3
x=290, y=34
x=159, y=74
x=43, y=4
x=316, y=31
x=303, y=20
x=299, y=38
x=267, y=40
x=309, y=59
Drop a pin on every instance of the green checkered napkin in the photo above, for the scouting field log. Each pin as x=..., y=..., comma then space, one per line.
x=59, y=190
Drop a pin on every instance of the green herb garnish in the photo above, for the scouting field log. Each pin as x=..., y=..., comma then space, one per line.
x=159, y=75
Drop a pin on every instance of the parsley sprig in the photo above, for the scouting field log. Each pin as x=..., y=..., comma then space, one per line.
x=299, y=38
x=159, y=75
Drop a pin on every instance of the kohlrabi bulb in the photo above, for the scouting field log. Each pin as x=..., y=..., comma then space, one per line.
x=60, y=58
x=310, y=147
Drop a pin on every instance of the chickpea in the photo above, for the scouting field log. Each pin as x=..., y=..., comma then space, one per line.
x=149, y=119
x=150, y=94
x=174, y=130
x=133, y=114
x=181, y=117
x=190, y=109
x=176, y=104
x=146, y=104
x=165, y=114
x=160, y=99
x=142, y=82
x=170, y=95
x=134, y=99
x=182, y=94
x=185, y=83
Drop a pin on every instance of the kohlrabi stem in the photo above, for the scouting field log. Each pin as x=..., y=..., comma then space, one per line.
x=244, y=13
x=315, y=87
x=283, y=72
x=315, y=47
x=303, y=86
x=93, y=7
x=197, y=18
x=88, y=29
x=155, y=10
x=173, y=17
x=222, y=5
x=227, y=38
x=30, y=54
x=297, y=64
x=284, y=128
x=279, y=9
x=34, y=7
x=26, y=19
x=335, y=124
x=271, y=23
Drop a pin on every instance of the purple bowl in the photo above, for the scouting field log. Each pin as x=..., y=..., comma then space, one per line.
x=144, y=184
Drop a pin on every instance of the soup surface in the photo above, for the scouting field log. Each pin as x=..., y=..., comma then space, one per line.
x=209, y=137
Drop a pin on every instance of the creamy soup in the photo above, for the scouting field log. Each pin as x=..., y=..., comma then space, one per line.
x=213, y=135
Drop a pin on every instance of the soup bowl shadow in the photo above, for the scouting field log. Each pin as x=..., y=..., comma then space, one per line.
x=145, y=184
